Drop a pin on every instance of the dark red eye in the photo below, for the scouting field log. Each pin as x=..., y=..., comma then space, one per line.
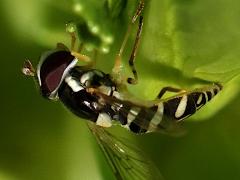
x=51, y=71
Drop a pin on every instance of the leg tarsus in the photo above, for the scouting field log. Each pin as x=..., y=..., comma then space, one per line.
x=81, y=57
x=139, y=11
x=170, y=89
x=134, y=18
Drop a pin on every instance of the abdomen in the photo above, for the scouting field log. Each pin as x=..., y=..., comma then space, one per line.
x=163, y=115
x=185, y=105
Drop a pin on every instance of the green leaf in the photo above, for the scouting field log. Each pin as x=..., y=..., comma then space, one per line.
x=189, y=42
x=184, y=43
x=115, y=7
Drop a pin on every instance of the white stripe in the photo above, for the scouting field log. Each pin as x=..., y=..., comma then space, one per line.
x=181, y=107
x=75, y=85
x=105, y=90
x=212, y=91
x=132, y=114
x=206, y=97
x=199, y=99
x=117, y=95
x=85, y=77
x=104, y=120
x=157, y=118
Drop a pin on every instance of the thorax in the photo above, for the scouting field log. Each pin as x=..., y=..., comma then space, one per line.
x=73, y=92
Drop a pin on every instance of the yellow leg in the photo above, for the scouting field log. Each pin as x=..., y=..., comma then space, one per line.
x=170, y=89
x=81, y=57
x=71, y=29
x=131, y=61
x=117, y=69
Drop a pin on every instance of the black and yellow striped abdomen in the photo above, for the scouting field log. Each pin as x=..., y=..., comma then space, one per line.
x=162, y=115
x=186, y=104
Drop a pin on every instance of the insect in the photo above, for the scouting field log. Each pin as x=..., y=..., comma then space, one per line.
x=102, y=98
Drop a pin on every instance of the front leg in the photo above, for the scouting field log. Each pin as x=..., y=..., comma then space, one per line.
x=71, y=30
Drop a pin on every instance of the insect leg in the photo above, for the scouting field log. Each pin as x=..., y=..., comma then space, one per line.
x=72, y=34
x=71, y=29
x=80, y=47
x=118, y=65
x=91, y=61
x=81, y=57
x=94, y=58
x=133, y=54
x=170, y=89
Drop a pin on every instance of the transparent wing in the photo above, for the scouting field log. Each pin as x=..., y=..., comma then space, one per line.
x=166, y=126
x=126, y=160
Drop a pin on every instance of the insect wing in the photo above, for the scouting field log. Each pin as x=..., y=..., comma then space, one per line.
x=126, y=160
x=151, y=121
x=148, y=117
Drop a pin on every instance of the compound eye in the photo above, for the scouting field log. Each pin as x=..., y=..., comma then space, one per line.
x=51, y=71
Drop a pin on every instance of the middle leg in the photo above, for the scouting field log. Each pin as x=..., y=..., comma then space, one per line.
x=117, y=69
x=134, y=52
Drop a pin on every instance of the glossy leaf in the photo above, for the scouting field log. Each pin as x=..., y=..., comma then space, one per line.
x=184, y=44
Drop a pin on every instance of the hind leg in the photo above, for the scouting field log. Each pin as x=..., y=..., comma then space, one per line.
x=169, y=89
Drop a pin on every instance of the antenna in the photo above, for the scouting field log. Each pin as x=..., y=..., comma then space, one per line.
x=28, y=69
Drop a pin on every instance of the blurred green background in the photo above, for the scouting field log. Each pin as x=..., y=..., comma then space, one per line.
x=184, y=42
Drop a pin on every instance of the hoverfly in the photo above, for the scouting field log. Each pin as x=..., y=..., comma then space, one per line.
x=102, y=99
